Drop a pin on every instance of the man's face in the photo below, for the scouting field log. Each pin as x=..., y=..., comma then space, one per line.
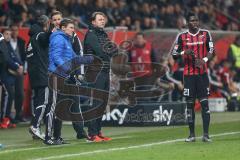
x=139, y=40
x=14, y=31
x=100, y=21
x=193, y=23
x=56, y=19
x=69, y=29
x=7, y=35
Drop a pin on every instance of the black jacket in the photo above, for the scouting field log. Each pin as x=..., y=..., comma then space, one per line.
x=37, y=56
x=96, y=42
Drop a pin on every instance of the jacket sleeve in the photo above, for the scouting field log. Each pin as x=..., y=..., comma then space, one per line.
x=11, y=61
x=56, y=51
x=177, y=47
x=209, y=43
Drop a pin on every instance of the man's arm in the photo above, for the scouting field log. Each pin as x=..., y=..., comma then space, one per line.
x=210, y=47
x=177, y=50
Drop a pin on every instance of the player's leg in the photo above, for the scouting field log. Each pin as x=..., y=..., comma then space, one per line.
x=78, y=126
x=40, y=101
x=189, y=93
x=203, y=92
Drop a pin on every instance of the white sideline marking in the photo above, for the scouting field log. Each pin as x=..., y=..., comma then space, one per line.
x=130, y=147
x=55, y=146
x=17, y=145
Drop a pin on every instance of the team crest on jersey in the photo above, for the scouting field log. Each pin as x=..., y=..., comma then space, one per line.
x=201, y=37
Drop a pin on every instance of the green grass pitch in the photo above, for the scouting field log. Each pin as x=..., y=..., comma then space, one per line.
x=132, y=143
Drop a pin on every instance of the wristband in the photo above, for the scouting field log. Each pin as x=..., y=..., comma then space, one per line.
x=182, y=52
x=205, y=59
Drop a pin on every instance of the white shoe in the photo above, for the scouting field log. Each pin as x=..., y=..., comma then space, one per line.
x=190, y=139
x=36, y=133
x=206, y=138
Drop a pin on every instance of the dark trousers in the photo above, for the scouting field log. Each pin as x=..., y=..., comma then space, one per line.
x=53, y=124
x=40, y=101
x=7, y=99
x=19, y=96
x=77, y=126
x=102, y=82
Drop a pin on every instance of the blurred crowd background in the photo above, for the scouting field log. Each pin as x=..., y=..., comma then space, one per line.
x=135, y=14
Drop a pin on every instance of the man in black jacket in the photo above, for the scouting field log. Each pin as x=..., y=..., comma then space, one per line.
x=96, y=42
x=37, y=58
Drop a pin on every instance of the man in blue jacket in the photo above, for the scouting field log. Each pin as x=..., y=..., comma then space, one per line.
x=60, y=53
x=56, y=17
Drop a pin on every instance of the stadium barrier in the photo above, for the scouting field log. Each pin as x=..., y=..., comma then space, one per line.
x=217, y=104
x=148, y=114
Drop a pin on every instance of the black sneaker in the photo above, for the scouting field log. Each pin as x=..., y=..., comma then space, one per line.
x=83, y=135
x=206, y=138
x=190, y=139
x=50, y=142
x=61, y=141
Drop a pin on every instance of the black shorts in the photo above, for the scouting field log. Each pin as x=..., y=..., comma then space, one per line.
x=196, y=86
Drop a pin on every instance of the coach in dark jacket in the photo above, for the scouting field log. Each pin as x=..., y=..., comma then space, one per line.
x=37, y=58
x=97, y=43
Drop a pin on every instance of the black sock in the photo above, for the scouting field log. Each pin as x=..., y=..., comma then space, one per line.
x=205, y=115
x=191, y=117
x=57, y=128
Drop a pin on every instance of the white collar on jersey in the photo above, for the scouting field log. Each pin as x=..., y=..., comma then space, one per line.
x=195, y=33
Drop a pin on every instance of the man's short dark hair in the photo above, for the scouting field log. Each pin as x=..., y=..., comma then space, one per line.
x=14, y=25
x=94, y=15
x=65, y=21
x=42, y=20
x=191, y=14
x=55, y=13
x=6, y=29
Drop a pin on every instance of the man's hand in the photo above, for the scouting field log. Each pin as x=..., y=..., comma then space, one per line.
x=20, y=70
x=199, y=63
x=180, y=86
x=189, y=52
